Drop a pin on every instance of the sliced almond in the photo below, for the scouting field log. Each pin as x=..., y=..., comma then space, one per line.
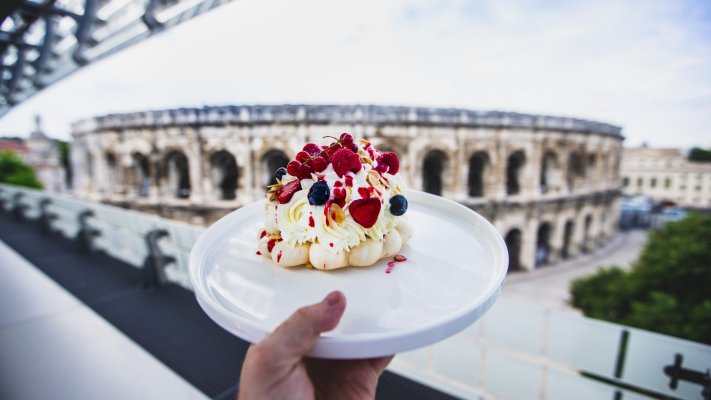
x=336, y=214
x=373, y=178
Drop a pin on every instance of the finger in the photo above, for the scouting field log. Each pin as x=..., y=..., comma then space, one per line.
x=379, y=364
x=296, y=336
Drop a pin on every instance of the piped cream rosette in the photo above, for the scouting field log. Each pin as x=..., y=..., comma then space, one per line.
x=327, y=237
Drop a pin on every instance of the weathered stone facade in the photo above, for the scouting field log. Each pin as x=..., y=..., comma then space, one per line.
x=549, y=184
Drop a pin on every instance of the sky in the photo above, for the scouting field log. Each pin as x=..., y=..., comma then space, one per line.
x=642, y=65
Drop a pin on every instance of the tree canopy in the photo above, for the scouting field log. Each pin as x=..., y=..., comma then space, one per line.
x=667, y=289
x=14, y=171
x=699, y=155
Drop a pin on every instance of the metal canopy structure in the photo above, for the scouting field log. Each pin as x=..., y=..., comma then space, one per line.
x=42, y=41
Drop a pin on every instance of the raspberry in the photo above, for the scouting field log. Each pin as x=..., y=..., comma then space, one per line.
x=284, y=194
x=329, y=151
x=391, y=161
x=365, y=211
x=319, y=164
x=294, y=168
x=345, y=160
x=312, y=149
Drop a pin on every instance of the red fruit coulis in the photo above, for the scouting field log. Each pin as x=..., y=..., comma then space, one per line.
x=271, y=243
x=279, y=257
x=311, y=221
x=364, y=192
x=397, y=259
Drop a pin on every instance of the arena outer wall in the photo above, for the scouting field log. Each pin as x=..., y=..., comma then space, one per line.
x=549, y=184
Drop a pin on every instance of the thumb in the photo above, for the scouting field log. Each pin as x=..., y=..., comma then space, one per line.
x=296, y=336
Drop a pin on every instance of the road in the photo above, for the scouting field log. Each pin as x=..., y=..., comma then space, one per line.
x=548, y=286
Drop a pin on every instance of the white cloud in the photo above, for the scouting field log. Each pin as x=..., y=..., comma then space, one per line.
x=643, y=65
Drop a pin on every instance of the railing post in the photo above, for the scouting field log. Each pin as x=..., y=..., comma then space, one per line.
x=18, y=209
x=46, y=217
x=86, y=233
x=156, y=260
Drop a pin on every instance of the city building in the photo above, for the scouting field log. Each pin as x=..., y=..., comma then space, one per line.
x=549, y=184
x=666, y=176
x=41, y=153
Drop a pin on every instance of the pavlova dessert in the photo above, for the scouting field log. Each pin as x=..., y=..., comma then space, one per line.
x=336, y=205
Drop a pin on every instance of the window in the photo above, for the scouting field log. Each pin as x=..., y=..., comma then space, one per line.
x=639, y=182
x=653, y=183
x=626, y=181
x=667, y=183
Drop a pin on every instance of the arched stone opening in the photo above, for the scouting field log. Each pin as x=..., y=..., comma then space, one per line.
x=567, y=239
x=142, y=174
x=548, y=171
x=433, y=167
x=271, y=161
x=591, y=166
x=514, y=166
x=576, y=169
x=586, y=247
x=112, y=173
x=478, y=164
x=543, y=244
x=513, y=246
x=178, y=174
x=224, y=174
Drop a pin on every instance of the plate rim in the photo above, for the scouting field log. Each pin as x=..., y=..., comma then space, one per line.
x=340, y=347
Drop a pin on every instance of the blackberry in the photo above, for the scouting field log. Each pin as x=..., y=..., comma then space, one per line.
x=280, y=173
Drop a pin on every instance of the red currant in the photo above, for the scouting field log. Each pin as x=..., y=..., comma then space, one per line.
x=319, y=164
x=346, y=139
x=312, y=149
x=294, y=168
x=306, y=171
x=302, y=156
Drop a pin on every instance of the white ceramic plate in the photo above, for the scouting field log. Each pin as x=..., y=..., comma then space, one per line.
x=456, y=264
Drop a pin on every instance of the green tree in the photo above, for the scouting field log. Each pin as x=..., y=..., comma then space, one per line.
x=699, y=155
x=668, y=289
x=14, y=171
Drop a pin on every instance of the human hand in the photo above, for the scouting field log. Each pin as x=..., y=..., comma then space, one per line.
x=276, y=367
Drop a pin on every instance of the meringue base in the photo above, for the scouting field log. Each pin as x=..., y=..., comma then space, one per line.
x=320, y=257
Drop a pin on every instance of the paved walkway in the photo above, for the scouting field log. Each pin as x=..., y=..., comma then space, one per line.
x=548, y=287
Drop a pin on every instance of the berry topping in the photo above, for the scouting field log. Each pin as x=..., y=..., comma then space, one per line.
x=306, y=171
x=302, y=156
x=365, y=211
x=390, y=160
x=398, y=205
x=346, y=139
x=319, y=164
x=284, y=194
x=363, y=192
x=319, y=193
x=345, y=160
x=280, y=173
x=294, y=168
x=312, y=149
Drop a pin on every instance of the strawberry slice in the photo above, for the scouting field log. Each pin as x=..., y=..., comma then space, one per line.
x=365, y=211
x=284, y=194
x=391, y=161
